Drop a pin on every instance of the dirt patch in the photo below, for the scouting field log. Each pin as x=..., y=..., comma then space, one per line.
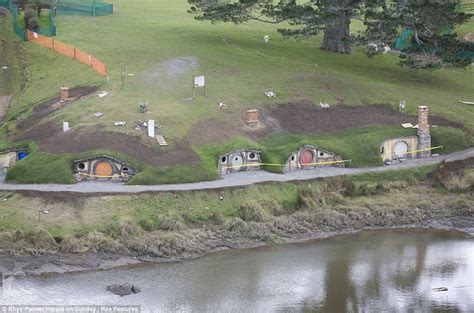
x=307, y=118
x=168, y=72
x=49, y=106
x=50, y=138
x=4, y=105
x=212, y=131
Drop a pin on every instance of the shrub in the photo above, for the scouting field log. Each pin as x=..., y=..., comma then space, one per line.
x=148, y=224
x=252, y=211
x=29, y=14
x=118, y=230
x=42, y=240
x=349, y=189
x=172, y=223
x=33, y=23
x=216, y=217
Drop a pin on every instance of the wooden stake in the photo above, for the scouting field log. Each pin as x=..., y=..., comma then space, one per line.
x=122, y=75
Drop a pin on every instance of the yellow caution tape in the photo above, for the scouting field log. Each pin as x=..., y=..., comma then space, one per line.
x=420, y=150
x=277, y=164
x=98, y=176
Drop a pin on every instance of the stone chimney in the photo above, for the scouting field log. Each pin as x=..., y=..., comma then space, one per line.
x=424, y=137
x=64, y=93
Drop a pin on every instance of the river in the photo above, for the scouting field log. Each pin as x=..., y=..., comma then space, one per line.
x=370, y=271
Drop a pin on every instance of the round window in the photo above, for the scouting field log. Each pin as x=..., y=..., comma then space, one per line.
x=252, y=155
x=81, y=166
x=223, y=159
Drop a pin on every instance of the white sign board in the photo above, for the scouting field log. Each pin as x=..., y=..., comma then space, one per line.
x=66, y=126
x=199, y=81
x=151, y=128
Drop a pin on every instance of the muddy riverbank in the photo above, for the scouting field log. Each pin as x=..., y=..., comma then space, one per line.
x=240, y=235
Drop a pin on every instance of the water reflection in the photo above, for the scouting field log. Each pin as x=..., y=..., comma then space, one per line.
x=392, y=271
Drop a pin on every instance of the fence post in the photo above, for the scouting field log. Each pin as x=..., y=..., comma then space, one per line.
x=52, y=41
x=75, y=53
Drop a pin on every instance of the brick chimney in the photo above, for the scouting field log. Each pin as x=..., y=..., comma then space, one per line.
x=64, y=93
x=423, y=132
x=252, y=117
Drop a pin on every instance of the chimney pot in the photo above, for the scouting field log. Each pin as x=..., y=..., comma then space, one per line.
x=252, y=117
x=64, y=93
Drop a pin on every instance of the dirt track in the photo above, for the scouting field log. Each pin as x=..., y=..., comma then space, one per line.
x=234, y=180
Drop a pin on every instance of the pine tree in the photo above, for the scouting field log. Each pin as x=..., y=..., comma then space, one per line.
x=432, y=23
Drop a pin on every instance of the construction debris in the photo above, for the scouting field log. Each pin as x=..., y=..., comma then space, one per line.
x=143, y=125
x=324, y=105
x=5, y=67
x=466, y=102
x=440, y=289
x=161, y=140
x=131, y=74
x=270, y=94
x=120, y=123
x=222, y=106
x=402, y=105
x=407, y=125
x=98, y=114
x=103, y=94
x=66, y=126
x=143, y=107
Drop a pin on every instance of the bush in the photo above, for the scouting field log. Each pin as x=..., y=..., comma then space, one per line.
x=33, y=23
x=29, y=14
x=252, y=211
x=349, y=188
x=172, y=223
x=148, y=224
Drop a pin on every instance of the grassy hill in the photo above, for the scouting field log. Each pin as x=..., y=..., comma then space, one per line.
x=162, y=46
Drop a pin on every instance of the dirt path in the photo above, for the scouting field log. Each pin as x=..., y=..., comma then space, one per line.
x=4, y=105
x=234, y=180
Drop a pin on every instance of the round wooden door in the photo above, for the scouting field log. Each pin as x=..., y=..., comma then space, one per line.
x=400, y=149
x=103, y=169
x=237, y=161
x=306, y=158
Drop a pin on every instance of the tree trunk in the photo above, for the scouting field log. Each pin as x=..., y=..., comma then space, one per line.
x=336, y=34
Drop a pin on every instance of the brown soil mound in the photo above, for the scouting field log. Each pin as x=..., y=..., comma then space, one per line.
x=49, y=106
x=307, y=118
x=50, y=138
x=4, y=105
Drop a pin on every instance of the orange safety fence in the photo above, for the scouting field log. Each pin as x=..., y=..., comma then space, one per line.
x=69, y=51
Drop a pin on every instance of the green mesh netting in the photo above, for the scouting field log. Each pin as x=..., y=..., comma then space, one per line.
x=15, y=12
x=81, y=7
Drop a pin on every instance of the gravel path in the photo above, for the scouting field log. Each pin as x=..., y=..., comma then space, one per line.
x=233, y=180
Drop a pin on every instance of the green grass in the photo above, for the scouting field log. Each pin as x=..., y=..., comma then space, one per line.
x=10, y=79
x=145, y=39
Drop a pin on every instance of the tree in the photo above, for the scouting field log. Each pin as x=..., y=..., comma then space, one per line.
x=29, y=14
x=434, y=42
x=333, y=18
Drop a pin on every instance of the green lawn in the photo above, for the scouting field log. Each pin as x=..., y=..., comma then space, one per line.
x=148, y=36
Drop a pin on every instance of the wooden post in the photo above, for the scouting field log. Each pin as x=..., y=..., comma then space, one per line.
x=194, y=87
x=204, y=75
x=122, y=75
